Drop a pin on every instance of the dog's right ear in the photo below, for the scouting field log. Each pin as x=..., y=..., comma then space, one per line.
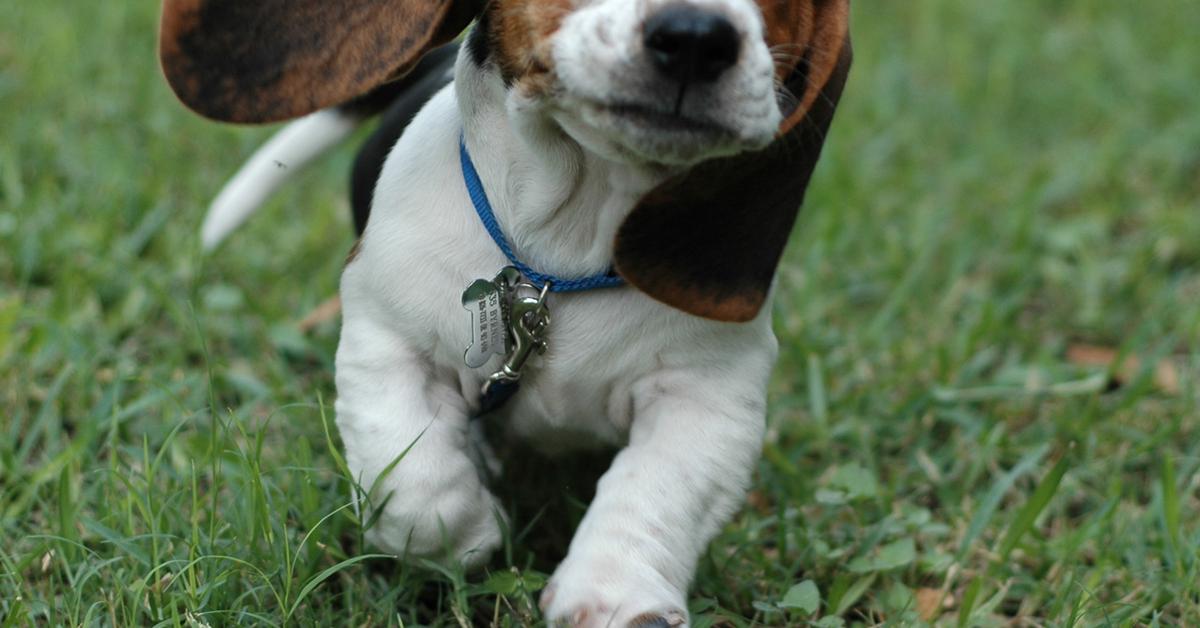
x=270, y=60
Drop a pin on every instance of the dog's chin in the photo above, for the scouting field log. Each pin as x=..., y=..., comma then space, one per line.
x=638, y=134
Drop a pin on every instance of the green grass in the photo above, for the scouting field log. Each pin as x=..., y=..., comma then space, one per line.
x=1004, y=179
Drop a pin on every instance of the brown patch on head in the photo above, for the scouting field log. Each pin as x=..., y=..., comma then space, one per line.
x=267, y=60
x=520, y=34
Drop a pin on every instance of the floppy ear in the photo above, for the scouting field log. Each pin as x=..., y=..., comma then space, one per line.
x=709, y=243
x=269, y=60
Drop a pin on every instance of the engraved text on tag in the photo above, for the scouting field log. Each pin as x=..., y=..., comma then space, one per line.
x=489, y=329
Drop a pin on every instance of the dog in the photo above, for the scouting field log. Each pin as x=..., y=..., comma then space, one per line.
x=612, y=183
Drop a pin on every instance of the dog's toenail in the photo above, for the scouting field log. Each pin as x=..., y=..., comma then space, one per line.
x=651, y=620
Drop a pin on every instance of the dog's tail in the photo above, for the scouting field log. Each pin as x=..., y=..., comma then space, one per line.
x=285, y=154
x=302, y=141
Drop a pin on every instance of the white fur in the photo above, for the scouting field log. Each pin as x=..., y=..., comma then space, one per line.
x=270, y=167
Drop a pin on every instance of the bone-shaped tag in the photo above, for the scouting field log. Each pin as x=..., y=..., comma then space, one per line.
x=489, y=330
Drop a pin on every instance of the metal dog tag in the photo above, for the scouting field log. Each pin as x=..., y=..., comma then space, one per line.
x=488, y=302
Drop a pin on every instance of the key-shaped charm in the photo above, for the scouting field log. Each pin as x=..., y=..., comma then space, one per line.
x=489, y=302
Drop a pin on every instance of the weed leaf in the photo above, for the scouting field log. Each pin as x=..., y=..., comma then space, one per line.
x=804, y=597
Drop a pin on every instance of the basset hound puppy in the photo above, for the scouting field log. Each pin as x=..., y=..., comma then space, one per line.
x=574, y=233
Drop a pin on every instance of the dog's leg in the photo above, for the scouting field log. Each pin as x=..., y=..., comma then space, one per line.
x=683, y=474
x=434, y=503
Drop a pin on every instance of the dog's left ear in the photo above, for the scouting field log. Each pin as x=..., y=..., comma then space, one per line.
x=269, y=60
x=709, y=242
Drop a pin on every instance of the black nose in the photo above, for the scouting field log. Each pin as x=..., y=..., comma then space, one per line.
x=689, y=44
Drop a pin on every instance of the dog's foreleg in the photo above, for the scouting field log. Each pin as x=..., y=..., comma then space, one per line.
x=406, y=441
x=683, y=474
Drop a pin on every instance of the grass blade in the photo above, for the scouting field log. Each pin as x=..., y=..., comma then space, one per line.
x=1033, y=507
x=1170, y=510
x=818, y=404
x=852, y=595
x=968, y=602
x=316, y=580
x=991, y=501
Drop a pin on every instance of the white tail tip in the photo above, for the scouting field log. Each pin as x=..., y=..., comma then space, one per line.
x=285, y=154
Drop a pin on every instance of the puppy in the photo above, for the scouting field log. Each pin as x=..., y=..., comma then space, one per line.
x=640, y=163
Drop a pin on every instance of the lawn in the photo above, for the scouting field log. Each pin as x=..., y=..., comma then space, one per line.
x=986, y=410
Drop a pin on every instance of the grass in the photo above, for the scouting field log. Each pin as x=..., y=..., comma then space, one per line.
x=1005, y=182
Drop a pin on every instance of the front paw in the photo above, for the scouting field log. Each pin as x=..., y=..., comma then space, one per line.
x=462, y=525
x=611, y=592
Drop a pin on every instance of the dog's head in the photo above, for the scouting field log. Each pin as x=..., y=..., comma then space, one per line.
x=671, y=82
x=735, y=94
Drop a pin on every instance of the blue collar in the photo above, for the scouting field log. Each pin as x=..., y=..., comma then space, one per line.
x=475, y=189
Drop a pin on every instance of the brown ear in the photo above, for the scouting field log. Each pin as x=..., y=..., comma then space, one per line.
x=269, y=60
x=709, y=242
x=827, y=30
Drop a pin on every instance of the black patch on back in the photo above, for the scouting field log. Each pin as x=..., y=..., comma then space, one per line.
x=400, y=101
x=479, y=41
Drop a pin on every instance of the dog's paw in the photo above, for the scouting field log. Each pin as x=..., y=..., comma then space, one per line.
x=462, y=525
x=598, y=594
